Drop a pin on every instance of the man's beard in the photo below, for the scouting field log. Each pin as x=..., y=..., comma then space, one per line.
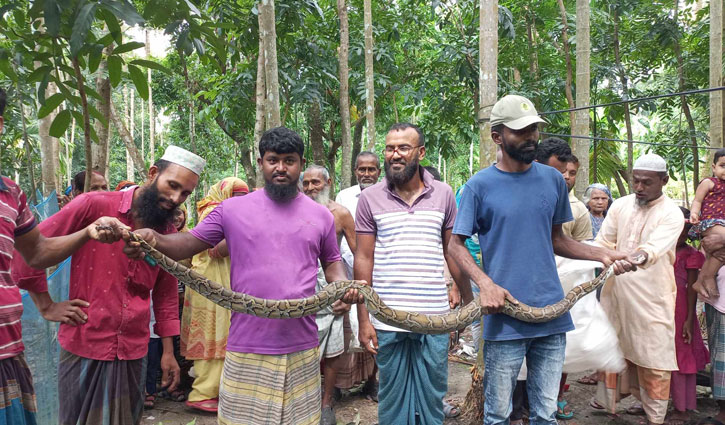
x=519, y=154
x=403, y=176
x=364, y=185
x=641, y=202
x=323, y=196
x=147, y=210
x=281, y=192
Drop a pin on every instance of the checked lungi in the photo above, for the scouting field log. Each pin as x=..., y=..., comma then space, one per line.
x=17, y=396
x=93, y=392
x=258, y=389
x=716, y=344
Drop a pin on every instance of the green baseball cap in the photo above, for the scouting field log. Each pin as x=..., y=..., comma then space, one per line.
x=515, y=112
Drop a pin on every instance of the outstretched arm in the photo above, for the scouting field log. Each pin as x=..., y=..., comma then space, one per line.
x=40, y=252
x=569, y=248
x=493, y=297
x=176, y=246
x=460, y=279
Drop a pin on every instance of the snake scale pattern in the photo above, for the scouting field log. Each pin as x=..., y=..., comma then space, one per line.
x=412, y=321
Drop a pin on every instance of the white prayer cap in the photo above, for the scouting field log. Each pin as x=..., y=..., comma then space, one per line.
x=650, y=162
x=186, y=159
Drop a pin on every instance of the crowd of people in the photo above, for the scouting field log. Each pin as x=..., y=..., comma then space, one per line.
x=421, y=247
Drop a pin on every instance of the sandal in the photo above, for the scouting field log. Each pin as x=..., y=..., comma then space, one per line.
x=594, y=404
x=149, y=402
x=210, y=405
x=588, y=380
x=450, y=411
x=176, y=395
x=635, y=409
x=560, y=413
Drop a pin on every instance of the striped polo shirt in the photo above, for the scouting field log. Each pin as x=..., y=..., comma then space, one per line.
x=408, y=261
x=15, y=220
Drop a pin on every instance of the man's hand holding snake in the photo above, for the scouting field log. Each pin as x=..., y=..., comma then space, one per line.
x=106, y=230
x=133, y=249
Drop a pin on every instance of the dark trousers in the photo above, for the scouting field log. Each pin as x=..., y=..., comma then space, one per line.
x=154, y=364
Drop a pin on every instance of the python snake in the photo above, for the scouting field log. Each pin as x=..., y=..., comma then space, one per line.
x=409, y=320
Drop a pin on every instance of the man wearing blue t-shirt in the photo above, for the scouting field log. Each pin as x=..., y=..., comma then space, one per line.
x=517, y=208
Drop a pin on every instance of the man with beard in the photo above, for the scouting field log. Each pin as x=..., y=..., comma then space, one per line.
x=330, y=321
x=403, y=225
x=580, y=228
x=641, y=305
x=100, y=375
x=275, y=239
x=517, y=207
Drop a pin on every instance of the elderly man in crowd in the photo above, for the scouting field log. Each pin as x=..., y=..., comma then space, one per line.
x=357, y=366
x=316, y=184
x=641, y=305
x=102, y=362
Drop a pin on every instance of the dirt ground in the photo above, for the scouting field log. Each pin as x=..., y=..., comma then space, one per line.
x=354, y=409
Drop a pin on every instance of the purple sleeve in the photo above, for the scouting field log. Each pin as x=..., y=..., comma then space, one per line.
x=329, y=251
x=211, y=230
x=364, y=221
x=451, y=209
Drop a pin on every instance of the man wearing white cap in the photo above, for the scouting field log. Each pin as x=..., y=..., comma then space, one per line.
x=641, y=305
x=101, y=366
x=517, y=208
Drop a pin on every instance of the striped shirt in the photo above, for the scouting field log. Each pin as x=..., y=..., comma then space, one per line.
x=408, y=266
x=16, y=219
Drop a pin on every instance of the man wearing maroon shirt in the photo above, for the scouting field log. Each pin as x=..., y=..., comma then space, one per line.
x=101, y=363
x=18, y=230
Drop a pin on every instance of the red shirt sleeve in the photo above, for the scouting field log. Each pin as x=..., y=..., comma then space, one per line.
x=166, y=305
x=78, y=214
x=695, y=260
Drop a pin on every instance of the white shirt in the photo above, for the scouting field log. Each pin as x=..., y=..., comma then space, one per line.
x=348, y=198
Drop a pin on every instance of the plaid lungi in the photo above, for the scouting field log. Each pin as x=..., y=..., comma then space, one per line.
x=93, y=392
x=355, y=367
x=17, y=396
x=259, y=389
x=716, y=344
x=330, y=335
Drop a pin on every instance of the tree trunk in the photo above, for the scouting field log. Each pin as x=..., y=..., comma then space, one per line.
x=318, y=148
x=487, y=77
x=567, y=55
x=581, y=123
x=487, y=95
x=716, y=52
x=152, y=118
x=86, y=123
x=143, y=140
x=686, y=107
x=49, y=149
x=356, y=147
x=268, y=35
x=100, y=150
x=136, y=157
x=131, y=122
x=26, y=142
x=625, y=92
x=369, y=73
x=533, y=54
x=260, y=91
x=619, y=178
x=344, y=93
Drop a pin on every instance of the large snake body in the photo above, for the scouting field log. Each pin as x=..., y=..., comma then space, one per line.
x=409, y=320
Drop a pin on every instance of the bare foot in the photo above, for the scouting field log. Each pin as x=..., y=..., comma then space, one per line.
x=706, y=286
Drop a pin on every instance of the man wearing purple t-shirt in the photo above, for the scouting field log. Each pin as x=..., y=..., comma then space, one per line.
x=275, y=237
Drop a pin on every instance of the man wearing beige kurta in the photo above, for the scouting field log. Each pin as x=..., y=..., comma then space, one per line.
x=641, y=304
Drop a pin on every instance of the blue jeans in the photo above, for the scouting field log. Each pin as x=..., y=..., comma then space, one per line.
x=413, y=378
x=503, y=360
